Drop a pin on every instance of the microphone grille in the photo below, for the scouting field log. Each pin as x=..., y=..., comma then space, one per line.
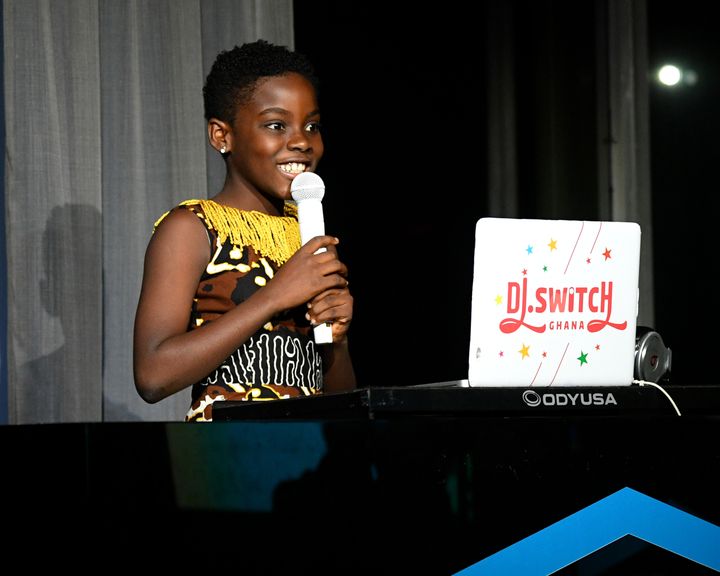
x=306, y=186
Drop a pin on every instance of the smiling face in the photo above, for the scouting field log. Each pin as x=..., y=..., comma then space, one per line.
x=275, y=136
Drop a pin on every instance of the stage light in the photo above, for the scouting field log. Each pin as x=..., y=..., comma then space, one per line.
x=675, y=77
x=670, y=75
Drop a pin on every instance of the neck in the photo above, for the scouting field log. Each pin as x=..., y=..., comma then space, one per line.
x=244, y=198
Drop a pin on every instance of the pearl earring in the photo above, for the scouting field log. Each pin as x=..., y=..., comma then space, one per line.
x=223, y=149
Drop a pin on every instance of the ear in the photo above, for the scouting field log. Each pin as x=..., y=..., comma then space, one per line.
x=219, y=135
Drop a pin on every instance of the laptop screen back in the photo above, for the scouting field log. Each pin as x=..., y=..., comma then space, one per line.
x=554, y=303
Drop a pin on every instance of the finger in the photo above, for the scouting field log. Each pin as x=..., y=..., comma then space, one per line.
x=340, y=330
x=330, y=296
x=327, y=265
x=320, y=242
x=336, y=281
x=342, y=314
x=331, y=306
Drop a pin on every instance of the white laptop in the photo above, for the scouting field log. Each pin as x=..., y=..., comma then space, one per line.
x=554, y=303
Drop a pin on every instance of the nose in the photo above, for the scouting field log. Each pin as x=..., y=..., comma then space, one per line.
x=298, y=140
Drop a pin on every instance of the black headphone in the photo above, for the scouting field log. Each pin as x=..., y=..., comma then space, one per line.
x=652, y=358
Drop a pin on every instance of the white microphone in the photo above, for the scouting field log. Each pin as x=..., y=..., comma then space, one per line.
x=307, y=190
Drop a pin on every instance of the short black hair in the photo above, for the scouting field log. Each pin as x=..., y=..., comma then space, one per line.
x=236, y=72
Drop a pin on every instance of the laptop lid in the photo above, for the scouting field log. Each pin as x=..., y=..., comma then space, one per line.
x=554, y=303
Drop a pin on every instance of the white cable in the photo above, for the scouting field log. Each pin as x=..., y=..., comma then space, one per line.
x=646, y=383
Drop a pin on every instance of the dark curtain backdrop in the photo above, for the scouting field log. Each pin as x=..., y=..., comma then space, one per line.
x=104, y=132
x=493, y=108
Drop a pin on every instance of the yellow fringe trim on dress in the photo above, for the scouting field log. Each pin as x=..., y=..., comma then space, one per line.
x=275, y=237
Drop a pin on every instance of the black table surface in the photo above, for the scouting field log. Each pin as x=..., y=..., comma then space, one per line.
x=456, y=399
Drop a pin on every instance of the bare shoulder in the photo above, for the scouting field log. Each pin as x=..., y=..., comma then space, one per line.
x=180, y=236
x=179, y=219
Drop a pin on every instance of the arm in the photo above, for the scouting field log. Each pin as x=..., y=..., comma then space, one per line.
x=335, y=306
x=339, y=374
x=167, y=358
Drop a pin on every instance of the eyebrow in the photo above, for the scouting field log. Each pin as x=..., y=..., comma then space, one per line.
x=283, y=112
x=274, y=111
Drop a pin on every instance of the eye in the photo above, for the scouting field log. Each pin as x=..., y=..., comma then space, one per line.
x=313, y=127
x=275, y=126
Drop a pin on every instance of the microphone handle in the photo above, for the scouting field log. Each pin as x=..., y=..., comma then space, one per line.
x=323, y=333
x=312, y=223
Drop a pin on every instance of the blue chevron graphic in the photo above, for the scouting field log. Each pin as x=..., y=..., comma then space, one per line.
x=626, y=512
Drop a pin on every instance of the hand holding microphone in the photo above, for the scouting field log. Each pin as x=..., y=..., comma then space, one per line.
x=308, y=190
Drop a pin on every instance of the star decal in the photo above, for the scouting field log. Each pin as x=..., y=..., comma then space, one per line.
x=553, y=244
x=524, y=351
x=498, y=299
x=545, y=268
x=607, y=254
x=529, y=249
x=583, y=357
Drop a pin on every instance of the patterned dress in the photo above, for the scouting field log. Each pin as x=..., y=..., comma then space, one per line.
x=280, y=360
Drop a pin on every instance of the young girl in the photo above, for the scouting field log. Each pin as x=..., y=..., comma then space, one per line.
x=229, y=297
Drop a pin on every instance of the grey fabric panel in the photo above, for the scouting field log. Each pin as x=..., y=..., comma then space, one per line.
x=153, y=157
x=105, y=132
x=53, y=200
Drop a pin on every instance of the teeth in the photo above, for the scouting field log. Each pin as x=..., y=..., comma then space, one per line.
x=292, y=167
